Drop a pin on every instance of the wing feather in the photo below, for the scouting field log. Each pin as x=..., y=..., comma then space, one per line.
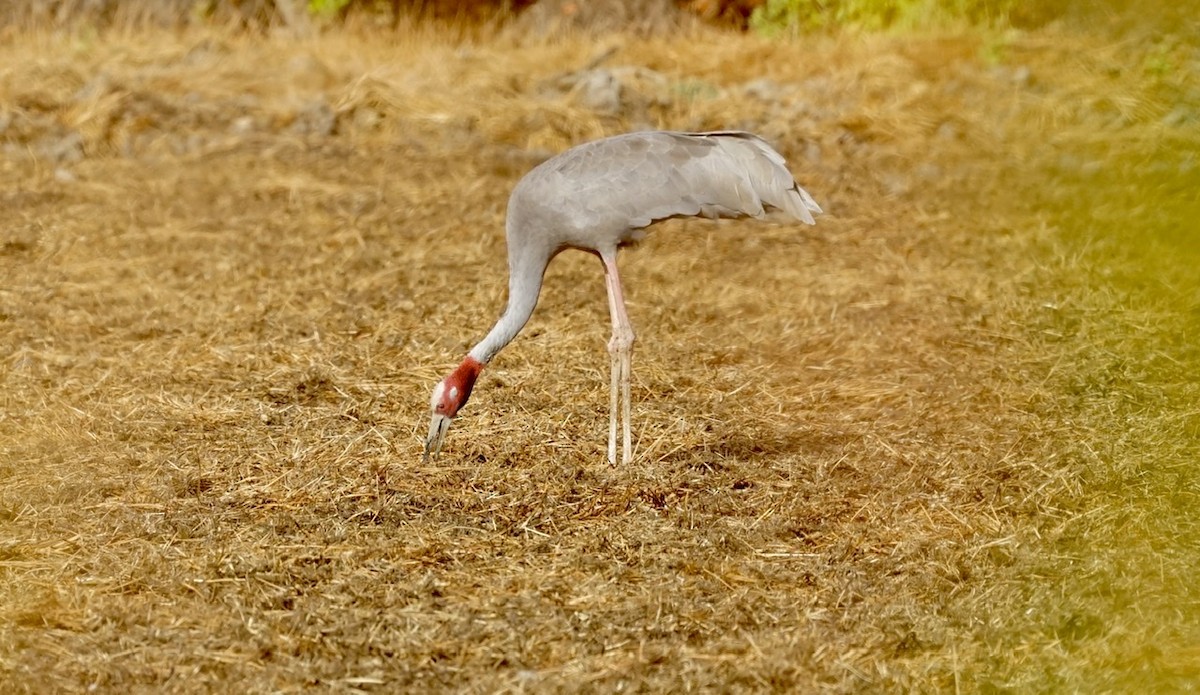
x=600, y=191
x=728, y=174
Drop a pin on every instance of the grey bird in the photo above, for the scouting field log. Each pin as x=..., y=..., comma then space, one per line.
x=602, y=195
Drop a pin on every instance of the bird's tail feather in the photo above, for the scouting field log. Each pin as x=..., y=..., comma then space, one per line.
x=766, y=175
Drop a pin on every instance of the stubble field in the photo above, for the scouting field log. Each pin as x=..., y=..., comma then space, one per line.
x=943, y=441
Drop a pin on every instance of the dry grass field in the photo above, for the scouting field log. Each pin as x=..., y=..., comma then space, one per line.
x=945, y=441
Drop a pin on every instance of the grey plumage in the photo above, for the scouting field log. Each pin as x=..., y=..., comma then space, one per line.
x=603, y=191
x=603, y=194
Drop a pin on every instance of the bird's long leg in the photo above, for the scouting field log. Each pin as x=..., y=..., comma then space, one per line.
x=626, y=368
x=615, y=381
x=612, y=403
x=621, y=349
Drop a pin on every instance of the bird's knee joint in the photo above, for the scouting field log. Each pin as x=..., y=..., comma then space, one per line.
x=621, y=342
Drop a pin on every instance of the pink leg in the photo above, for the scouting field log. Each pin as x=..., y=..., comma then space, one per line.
x=620, y=347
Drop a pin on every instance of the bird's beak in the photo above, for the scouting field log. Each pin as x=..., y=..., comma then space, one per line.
x=438, y=425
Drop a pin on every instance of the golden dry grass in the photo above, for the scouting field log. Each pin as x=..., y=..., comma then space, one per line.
x=927, y=445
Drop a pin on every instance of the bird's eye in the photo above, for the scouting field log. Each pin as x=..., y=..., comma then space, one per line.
x=440, y=408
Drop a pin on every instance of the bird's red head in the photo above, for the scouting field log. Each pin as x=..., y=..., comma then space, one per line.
x=449, y=396
x=451, y=393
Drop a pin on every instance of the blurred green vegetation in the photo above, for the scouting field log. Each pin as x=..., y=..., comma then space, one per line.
x=798, y=16
x=327, y=8
x=778, y=17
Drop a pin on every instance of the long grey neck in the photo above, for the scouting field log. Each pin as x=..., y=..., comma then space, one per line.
x=524, y=285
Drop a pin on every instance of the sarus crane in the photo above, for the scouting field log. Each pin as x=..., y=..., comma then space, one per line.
x=598, y=197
